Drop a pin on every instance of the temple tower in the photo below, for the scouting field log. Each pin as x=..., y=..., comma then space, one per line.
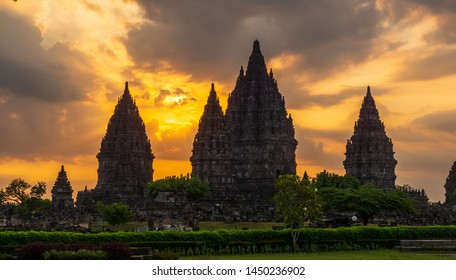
x=369, y=152
x=62, y=193
x=450, y=186
x=125, y=158
x=260, y=131
x=242, y=152
x=209, y=158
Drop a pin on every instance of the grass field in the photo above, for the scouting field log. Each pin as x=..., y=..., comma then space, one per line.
x=381, y=254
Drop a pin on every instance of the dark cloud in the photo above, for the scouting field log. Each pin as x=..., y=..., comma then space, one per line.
x=57, y=74
x=312, y=151
x=443, y=122
x=425, y=146
x=435, y=65
x=443, y=10
x=445, y=32
x=211, y=39
x=440, y=6
x=301, y=99
x=424, y=169
x=34, y=129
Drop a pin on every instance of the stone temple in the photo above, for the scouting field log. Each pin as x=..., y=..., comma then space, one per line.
x=125, y=159
x=241, y=153
x=369, y=152
x=62, y=193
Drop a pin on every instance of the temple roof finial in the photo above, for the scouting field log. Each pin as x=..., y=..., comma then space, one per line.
x=368, y=90
x=212, y=87
x=256, y=45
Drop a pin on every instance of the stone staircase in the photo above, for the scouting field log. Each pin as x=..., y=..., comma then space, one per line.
x=427, y=245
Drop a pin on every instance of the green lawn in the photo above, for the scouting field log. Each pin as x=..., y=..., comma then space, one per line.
x=381, y=254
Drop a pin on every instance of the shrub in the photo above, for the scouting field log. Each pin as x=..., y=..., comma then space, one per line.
x=165, y=256
x=163, y=245
x=74, y=255
x=6, y=256
x=117, y=251
x=36, y=250
x=34, y=244
x=32, y=251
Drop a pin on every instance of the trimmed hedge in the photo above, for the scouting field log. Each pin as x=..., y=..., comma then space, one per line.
x=222, y=240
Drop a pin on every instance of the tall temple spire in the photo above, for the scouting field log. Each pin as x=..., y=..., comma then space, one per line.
x=126, y=95
x=242, y=152
x=209, y=145
x=125, y=157
x=213, y=114
x=369, y=152
x=256, y=67
x=369, y=110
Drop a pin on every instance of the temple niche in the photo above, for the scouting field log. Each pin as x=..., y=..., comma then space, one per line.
x=62, y=193
x=369, y=152
x=124, y=161
x=241, y=153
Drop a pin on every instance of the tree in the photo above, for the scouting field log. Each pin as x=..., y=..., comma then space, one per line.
x=38, y=190
x=38, y=204
x=325, y=179
x=19, y=191
x=366, y=200
x=195, y=188
x=115, y=214
x=296, y=203
x=2, y=197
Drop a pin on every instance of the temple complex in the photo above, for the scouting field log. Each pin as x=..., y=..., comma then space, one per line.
x=125, y=158
x=241, y=152
x=62, y=192
x=369, y=152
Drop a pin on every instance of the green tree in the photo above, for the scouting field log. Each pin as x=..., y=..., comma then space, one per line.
x=38, y=204
x=195, y=187
x=325, y=179
x=296, y=203
x=366, y=200
x=19, y=191
x=115, y=214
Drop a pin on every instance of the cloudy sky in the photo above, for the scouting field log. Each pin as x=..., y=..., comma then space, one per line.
x=63, y=64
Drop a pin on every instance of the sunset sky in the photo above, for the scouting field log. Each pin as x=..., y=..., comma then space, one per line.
x=63, y=64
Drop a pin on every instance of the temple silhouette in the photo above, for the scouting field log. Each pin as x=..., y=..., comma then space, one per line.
x=125, y=159
x=241, y=153
x=369, y=152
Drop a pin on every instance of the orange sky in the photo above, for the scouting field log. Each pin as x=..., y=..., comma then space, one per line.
x=63, y=64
